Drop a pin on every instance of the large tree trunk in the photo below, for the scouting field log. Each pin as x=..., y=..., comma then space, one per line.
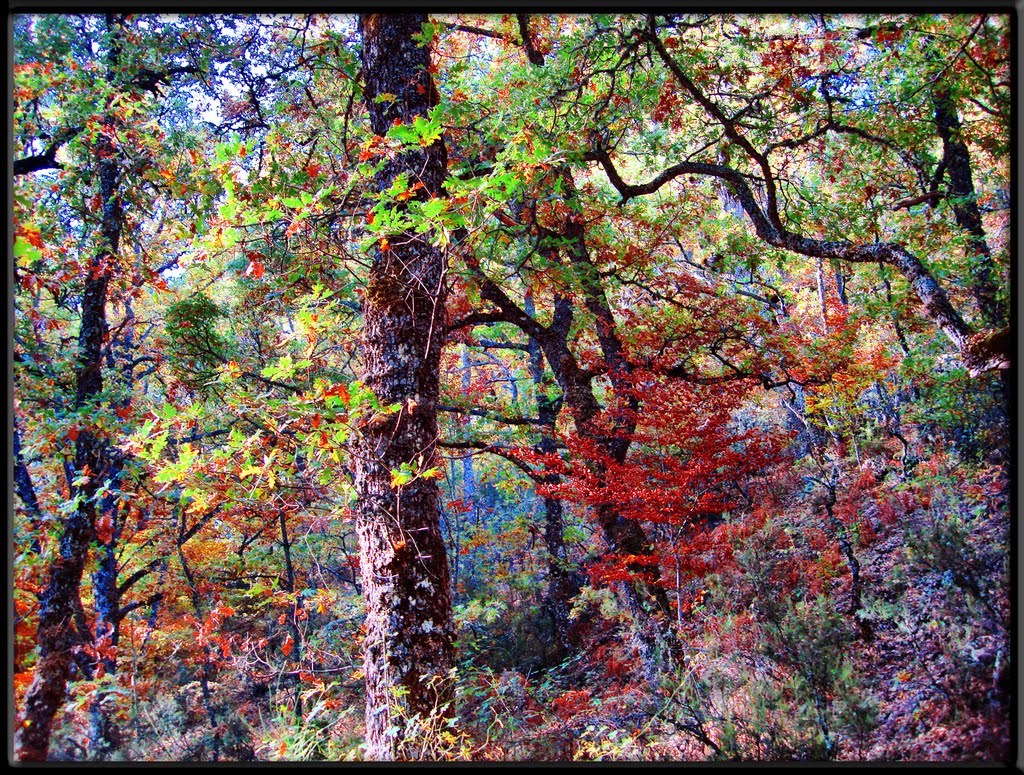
x=408, y=648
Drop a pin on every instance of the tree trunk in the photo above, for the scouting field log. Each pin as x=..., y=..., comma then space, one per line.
x=56, y=634
x=648, y=603
x=408, y=647
x=956, y=159
x=647, y=599
x=26, y=490
x=104, y=735
x=560, y=587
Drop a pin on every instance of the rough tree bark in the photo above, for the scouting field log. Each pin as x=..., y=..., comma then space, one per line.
x=408, y=647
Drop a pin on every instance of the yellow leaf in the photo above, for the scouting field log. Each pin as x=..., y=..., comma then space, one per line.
x=400, y=478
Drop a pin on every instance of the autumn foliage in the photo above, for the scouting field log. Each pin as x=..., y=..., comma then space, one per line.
x=574, y=387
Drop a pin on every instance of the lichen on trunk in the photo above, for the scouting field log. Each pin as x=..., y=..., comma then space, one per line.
x=408, y=646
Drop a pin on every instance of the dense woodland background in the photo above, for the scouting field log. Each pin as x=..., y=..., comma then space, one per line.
x=511, y=387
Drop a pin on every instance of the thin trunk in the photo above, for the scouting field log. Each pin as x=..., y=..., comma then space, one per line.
x=679, y=593
x=897, y=329
x=295, y=652
x=963, y=198
x=26, y=491
x=842, y=536
x=822, y=295
x=408, y=647
x=104, y=736
x=468, y=474
x=646, y=595
x=648, y=603
x=560, y=587
x=469, y=488
x=841, y=286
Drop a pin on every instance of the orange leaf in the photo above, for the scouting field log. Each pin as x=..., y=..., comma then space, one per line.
x=32, y=236
x=256, y=269
x=287, y=646
x=105, y=528
x=337, y=389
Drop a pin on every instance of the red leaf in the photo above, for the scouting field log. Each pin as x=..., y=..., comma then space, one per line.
x=256, y=269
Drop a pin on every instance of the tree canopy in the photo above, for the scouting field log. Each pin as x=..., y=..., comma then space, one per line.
x=503, y=387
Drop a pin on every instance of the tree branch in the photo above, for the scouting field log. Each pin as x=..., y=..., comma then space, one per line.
x=937, y=306
x=47, y=160
x=535, y=57
x=489, y=415
x=123, y=611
